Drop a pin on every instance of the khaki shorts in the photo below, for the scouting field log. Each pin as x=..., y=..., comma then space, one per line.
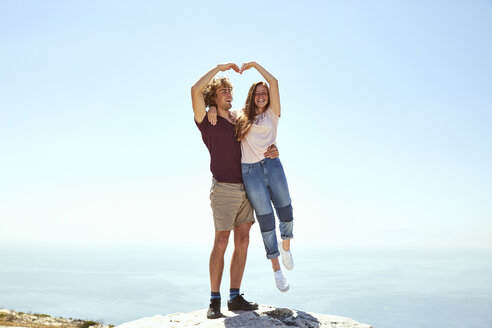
x=230, y=206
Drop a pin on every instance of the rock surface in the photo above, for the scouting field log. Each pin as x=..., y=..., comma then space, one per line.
x=10, y=319
x=265, y=317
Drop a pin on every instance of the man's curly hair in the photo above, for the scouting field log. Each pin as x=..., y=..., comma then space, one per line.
x=210, y=90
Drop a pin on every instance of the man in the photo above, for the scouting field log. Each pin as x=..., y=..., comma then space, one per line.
x=230, y=206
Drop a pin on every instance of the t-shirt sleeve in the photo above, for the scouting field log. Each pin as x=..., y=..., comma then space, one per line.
x=203, y=125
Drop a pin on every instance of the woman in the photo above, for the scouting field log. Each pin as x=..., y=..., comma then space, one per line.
x=264, y=178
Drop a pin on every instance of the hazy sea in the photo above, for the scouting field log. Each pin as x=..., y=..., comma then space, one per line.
x=119, y=284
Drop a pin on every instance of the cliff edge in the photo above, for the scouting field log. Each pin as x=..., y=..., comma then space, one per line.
x=11, y=319
x=265, y=317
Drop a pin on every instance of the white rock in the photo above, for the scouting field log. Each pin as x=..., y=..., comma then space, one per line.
x=265, y=317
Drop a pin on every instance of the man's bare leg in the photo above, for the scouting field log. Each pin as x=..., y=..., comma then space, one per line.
x=216, y=264
x=238, y=261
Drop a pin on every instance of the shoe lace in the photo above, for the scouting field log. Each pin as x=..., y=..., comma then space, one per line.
x=241, y=298
x=281, y=278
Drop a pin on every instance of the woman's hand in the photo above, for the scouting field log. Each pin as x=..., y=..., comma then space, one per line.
x=247, y=66
x=212, y=114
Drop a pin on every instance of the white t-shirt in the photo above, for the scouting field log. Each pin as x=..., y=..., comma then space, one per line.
x=259, y=137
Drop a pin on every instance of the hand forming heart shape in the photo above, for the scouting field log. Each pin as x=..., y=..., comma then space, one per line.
x=228, y=66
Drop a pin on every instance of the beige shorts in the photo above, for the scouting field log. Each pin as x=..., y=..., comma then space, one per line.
x=230, y=206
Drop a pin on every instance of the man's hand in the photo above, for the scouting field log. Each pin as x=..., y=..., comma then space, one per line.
x=212, y=114
x=228, y=66
x=197, y=101
x=272, y=152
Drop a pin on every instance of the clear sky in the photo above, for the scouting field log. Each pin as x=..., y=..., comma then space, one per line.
x=385, y=133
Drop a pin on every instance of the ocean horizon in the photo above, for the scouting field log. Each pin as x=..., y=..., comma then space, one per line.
x=378, y=287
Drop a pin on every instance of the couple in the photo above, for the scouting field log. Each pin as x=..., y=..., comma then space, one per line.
x=245, y=167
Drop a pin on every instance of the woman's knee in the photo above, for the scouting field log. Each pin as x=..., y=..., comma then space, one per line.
x=266, y=222
x=285, y=214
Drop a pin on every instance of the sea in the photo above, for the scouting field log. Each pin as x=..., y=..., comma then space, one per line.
x=117, y=284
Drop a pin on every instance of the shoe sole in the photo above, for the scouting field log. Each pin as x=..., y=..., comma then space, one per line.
x=217, y=316
x=284, y=290
x=250, y=309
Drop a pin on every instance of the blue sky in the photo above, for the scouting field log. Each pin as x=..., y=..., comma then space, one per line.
x=385, y=134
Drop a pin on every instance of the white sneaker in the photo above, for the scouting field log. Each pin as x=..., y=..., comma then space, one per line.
x=281, y=281
x=286, y=257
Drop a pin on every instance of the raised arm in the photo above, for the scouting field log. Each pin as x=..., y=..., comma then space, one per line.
x=272, y=83
x=197, y=100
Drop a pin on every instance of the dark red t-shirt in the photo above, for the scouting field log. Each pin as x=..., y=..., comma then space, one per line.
x=224, y=149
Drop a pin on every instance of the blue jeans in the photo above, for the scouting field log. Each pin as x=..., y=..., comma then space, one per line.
x=265, y=183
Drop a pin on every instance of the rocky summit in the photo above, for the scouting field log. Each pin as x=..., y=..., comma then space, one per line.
x=10, y=319
x=265, y=317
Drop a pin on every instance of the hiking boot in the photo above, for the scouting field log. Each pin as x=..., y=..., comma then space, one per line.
x=214, y=309
x=238, y=303
x=286, y=257
x=281, y=282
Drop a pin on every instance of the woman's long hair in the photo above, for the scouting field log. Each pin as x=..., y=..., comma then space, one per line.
x=245, y=120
